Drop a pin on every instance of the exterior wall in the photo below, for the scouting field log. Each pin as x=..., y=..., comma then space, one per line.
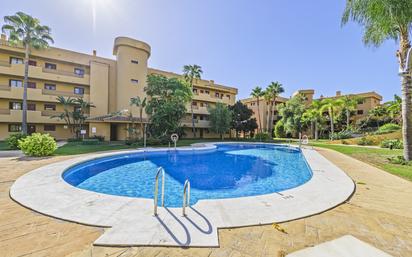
x=99, y=88
x=102, y=129
x=60, y=133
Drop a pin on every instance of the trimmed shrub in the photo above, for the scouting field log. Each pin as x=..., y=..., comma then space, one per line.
x=262, y=136
x=392, y=144
x=399, y=160
x=364, y=141
x=344, y=134
x=280, y=129
x=38, y=145
x=100, y=138
x=13, y=140
x=388, y=128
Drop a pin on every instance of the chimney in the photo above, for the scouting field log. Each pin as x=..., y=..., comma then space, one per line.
x=338, y=93
x=3, y=37
x=94, y=52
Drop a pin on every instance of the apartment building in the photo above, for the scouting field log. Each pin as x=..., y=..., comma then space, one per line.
x=367, y=102
x=107, y=83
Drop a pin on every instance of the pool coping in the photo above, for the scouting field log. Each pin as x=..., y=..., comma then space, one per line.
x=130, y=221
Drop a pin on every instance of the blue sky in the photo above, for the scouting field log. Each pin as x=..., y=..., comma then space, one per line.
x=238, y=43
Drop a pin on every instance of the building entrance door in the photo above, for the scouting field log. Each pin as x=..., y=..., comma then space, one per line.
x=113, y=132
x=31, y=129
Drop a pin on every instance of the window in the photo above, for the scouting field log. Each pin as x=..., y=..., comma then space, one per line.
x=207, y=92
x=14, y=128
x=31, y=84
x=134, y=81
x=217, y=95
x=79, y=90
x=79, y=71
x=15, y=105
x=194, y=91
x=360, y=112
x=50, y=66
x=49, y=107
x=49, y=127
x=201, y=91
x=31, y=107
x=135, y=61
x=15, y=83
x=49, y=86
x=194, y=103
x=361, y=101
x=201, y=104
x=228, y=96
x=32, y=63
x=77, y=108
x=15, y=60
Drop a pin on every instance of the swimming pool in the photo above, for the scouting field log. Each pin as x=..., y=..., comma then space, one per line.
x=229, y=171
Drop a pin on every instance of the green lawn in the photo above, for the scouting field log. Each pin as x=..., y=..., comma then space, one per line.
x=377, y=157
x=4, y=146
x=79, y=148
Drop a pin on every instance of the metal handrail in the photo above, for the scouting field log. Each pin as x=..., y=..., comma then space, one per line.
x=186, y=196
x=156, y=189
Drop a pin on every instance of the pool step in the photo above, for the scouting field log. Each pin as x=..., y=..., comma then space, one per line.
x=168, y=228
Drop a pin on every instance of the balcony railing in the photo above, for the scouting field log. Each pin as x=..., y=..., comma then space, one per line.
x=60, y=93
x=61, y=72
x=5, y=63
x=49, y=113
x=5, y=87
x=5, y=111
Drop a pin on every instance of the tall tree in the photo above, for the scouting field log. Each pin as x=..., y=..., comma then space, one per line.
x=167, y=103
x=378, y=113
x=190, y=73
x=314, y=117
x=273, y=91
x=394, y=108
x=26, y=31
x=349, y=104
x=292, y=114
x=333, y=107
x=141, y=104
x=220, y=117
x=241, y=118
x=382, y=20
x=257, y=93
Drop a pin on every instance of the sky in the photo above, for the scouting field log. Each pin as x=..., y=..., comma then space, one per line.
x=238, y=43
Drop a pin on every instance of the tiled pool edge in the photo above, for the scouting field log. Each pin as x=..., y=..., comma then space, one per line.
x=131, y=219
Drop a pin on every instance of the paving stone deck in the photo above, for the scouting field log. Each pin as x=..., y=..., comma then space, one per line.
x=379, y=213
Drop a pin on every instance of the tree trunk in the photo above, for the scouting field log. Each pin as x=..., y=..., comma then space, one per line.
x=407, y=117
x=26, y=78
x=316, y=131
x=141, y=121
x=269, y=125
x=193, y=120
x=347, y=118
x=260, y=120
x=332, y=128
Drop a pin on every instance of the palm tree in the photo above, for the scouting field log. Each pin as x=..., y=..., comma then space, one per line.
x=349, y=104
x=332, y=106
x=378, y=113
x=273, y=91
x=257, y=93
x=136, y=101
x=67, y=114
x=27, y=31
x=314, y=116
x=192, y=72
x=395, y=109
x=382, y=20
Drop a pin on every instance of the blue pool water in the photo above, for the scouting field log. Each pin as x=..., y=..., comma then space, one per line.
x=231, y=170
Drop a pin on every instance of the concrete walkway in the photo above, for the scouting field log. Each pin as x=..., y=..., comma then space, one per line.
x=379, y=213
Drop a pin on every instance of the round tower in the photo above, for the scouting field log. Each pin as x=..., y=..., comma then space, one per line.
x=131, y=71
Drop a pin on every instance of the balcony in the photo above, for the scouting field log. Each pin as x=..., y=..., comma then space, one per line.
x=198, y=123
x=32, y=117
x=212, y=98
x=41, y=73
x=50, y=113
x=198, y=109
x=36, y=94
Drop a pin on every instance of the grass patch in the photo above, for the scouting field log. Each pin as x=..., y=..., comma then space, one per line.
x=73, y=148
x=4, y=146
x=377, y=157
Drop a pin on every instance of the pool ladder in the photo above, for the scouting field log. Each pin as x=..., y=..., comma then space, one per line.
x=186, y=192
x=156, y=189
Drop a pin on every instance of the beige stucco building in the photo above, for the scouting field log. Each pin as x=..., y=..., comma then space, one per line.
x=369, y=100
x=106, y=83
